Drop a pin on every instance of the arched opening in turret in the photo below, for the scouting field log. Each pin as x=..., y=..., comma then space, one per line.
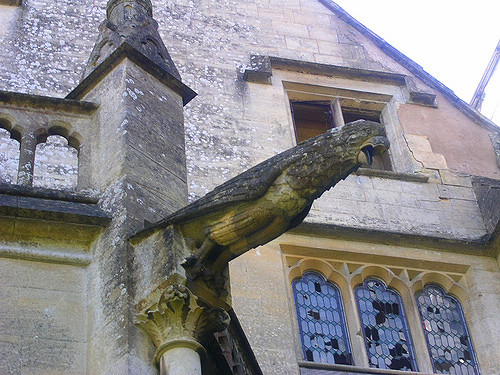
x=56, y=162
x=9, y=152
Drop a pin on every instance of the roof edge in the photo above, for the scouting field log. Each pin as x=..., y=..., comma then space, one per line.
x=412, y=66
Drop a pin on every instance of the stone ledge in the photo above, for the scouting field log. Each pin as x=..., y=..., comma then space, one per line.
x=412, y=177
x=46, y=193
x=262, y=67
x=33, y=207
x=41, y=255
x=484, y=246
x=313, y=368
x=30, y=101
x=13, y=3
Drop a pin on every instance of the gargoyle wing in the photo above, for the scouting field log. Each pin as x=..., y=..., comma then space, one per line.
x=247, y=186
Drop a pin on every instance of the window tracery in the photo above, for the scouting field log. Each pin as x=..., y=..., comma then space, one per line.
x=406, y=285
x=321, y=320
x=446, y=332
x=385, y=328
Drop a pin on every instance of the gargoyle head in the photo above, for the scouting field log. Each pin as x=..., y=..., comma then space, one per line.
x=364, y=139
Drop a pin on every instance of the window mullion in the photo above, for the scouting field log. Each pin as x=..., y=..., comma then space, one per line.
x=338, y=117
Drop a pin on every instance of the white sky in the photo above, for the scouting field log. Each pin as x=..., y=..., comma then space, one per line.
x=451, y=39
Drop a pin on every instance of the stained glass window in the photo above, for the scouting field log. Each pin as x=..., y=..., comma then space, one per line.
x=385, y=327
x=446, y=332
x=321, y=319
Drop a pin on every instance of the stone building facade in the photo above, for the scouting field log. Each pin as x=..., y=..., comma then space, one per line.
x=95, y=149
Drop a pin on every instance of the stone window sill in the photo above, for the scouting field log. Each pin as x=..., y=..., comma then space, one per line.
x=312, y=368
x=417, y=177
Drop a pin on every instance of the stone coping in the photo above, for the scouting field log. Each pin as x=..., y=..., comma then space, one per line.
x=47, y=193
x=31, y=101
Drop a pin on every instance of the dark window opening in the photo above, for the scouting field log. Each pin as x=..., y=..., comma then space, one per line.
x=354, y=114
x=9, y=154
x=311, y=119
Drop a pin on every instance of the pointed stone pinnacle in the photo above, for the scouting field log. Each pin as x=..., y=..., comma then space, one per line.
x=130, y=22
x=119, y=6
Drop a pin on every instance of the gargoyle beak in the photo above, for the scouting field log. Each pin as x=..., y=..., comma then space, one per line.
x=374, y=146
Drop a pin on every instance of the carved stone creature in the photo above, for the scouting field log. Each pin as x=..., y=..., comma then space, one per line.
x=260, y=204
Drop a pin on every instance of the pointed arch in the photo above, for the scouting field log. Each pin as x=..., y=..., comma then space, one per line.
x=444, y=281
x=56, y=158
x=10, y=138
x=385, y=326
x=321, y=320
x=446, y=332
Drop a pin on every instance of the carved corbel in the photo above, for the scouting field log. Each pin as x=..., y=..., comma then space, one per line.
x=176, y=319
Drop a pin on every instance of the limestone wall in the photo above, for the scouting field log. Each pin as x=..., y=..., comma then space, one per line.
x=43, y=318
x=428, y=209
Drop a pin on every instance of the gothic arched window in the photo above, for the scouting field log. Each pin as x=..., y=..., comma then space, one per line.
x=446, y=332
x=56, y=164
x=385, y=328
x=9, y=156
x=321, y=319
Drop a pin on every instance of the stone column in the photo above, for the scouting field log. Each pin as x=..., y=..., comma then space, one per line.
x=26, y=160
x=177, y=323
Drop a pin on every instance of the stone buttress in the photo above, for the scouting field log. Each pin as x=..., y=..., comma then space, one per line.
x=138, y=163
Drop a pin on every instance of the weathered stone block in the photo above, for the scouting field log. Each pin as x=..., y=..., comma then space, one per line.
x=294, y=30
x=301, y=44
x=456, y=192
x=156, y=258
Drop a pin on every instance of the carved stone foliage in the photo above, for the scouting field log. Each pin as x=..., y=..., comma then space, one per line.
x=177, y=319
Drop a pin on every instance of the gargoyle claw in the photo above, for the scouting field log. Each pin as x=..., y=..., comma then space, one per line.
x=193, y=266
x=189, y=261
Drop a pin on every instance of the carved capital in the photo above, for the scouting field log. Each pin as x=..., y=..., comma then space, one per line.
x=176, y=319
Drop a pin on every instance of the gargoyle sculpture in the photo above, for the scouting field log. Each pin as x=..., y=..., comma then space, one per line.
x=260, y=204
